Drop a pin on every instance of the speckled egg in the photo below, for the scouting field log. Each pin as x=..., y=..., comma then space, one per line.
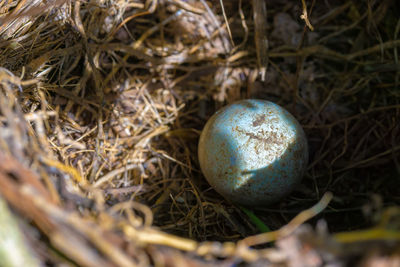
x=253, y=152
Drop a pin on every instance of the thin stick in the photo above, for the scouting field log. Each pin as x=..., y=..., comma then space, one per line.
x=226, y=22
x=304, y=16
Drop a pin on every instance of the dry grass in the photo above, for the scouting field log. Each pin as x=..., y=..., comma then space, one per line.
x=102, y=103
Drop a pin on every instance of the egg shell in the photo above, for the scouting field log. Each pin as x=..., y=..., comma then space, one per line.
x=253, y=152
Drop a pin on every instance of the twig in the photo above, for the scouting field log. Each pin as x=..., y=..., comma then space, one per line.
x=304, y=16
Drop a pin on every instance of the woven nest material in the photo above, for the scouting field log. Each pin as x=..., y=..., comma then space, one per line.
x=102, y=104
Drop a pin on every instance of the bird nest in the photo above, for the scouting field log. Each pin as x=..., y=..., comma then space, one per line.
x=102, y=104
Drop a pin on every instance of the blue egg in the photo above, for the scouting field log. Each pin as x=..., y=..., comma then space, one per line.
x=253, y=152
